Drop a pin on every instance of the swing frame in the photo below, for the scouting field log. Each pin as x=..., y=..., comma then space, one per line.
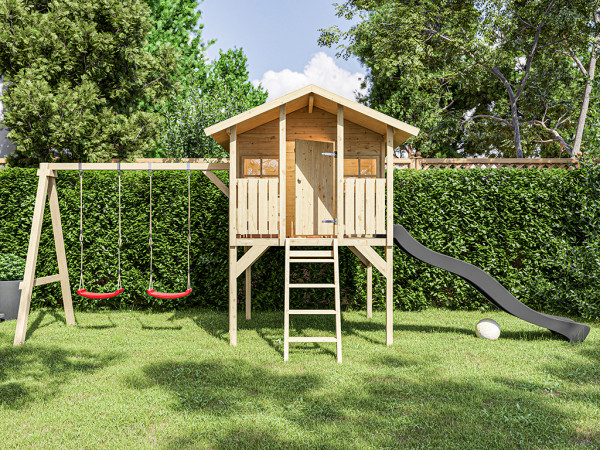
x=46, y=191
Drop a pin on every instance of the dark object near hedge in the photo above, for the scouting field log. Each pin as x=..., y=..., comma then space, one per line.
x=10, y=296
x=489, y=288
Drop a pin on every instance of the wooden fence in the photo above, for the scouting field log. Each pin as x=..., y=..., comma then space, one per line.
x=419, y=163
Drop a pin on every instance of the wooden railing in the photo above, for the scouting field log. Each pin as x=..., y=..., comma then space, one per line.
x=419, y=163
x=258, y=206
x=364, y=206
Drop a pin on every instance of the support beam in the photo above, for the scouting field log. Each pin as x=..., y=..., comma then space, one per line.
x=390, y=186
x=370, y=291
x=232, y=186
x=282, y=174
x=232, y=296
x=61, y=255
x=248, y=289
x=373, y=257
x=217, y=182
x=339, y=188
x=311, y=103
x=389, y=296
x=249, y=258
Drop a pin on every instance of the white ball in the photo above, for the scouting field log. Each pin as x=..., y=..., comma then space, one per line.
x=488, y=329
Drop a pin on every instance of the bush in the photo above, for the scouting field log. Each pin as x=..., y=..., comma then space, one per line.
x=12, y=267
x=514, y=224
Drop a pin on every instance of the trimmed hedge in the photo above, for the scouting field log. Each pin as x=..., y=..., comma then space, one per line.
x=535, y=231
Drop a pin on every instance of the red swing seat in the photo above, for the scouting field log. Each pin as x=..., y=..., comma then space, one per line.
x=167, y=295
x=98, y=295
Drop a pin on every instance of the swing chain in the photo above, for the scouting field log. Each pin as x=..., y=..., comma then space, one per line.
x=150, y=284
x=189, y=238
x=120, y=241
x=81, y=283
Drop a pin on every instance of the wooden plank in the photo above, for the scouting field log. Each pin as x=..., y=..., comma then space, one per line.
x=349, y=201
x=43, y=280
x=311, y=253
x=380, y=218
x=312, y=311
x=61, y=255
x=360, y=256
x=286, y=303
x=282, y=174
x=389, y=296
x=263, y=206
x=242, y=208
x=273, y=206
x=136, y=166
x=359, y=212
x=373, y=257
x=311, y=103
x=32, y=255
x=370, y=206
x=233, y=295
x=311, y=339
x=216, y=181
x=253, y=205
x=249, y=258
x=390, y=185
x=369, y=291
x=233, y=185
x=248, y=289
x=312, y=260
x=312, y=285
x=339, y=185
x=338, y=316
x=324, y=171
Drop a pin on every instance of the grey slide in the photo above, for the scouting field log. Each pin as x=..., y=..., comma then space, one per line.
x=489, y=288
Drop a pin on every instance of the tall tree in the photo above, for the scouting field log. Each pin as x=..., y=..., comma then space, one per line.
x=78, y=71
x=483, y=46
x=222, y=93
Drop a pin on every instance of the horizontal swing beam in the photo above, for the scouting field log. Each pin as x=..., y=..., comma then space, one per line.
x=139, y=166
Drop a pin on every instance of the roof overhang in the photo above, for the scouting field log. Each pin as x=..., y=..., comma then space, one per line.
x=322, y=99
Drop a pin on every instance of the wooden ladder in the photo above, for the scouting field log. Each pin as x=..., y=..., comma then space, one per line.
x=312, y=256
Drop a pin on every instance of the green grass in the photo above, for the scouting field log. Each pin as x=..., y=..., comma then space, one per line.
x=171, y=380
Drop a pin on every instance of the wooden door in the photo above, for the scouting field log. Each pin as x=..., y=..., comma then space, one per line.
x=315, y=182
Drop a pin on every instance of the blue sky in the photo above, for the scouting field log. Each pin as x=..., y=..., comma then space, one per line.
x=279, y=38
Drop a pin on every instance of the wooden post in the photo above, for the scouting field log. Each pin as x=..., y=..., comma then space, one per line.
x=369, y=291
x=390, y=186
x=233, y=236
x=61, y=254
x=282, y=175
x=339, y=187
x=389, y=296
x=46, y=188
x=248, y=289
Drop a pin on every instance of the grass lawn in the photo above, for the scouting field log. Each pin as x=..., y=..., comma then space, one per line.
x=170, y=380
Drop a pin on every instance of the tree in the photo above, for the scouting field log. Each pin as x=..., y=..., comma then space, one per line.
x=78, y=72
x=222, y=93
x=480, y=48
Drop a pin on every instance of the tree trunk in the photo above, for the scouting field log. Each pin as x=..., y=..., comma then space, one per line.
x=515, y=123
x=586, y=95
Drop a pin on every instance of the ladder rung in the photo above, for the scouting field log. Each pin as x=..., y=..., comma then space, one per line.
x=312, y=285
x=312, y=260
x=311, y=253
x=311, y=339
x=311, y=311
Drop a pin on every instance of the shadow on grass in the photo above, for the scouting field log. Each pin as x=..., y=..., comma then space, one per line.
x=37, y=323
x=110, y=324
x=159, y=327
x=266, y=407
x=34, y=374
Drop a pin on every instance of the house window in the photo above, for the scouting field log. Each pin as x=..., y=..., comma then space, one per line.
x=260, y=167
x=360, y=167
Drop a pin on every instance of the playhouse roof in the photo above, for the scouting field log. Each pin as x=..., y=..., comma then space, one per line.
x=319, y=98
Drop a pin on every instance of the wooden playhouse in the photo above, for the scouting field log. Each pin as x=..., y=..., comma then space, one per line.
x=310, y=169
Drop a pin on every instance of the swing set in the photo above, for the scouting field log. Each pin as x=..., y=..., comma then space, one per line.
x=47, y=175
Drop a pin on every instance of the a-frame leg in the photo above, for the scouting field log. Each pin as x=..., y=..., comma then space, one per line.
x=46, y=188
x=61, y=254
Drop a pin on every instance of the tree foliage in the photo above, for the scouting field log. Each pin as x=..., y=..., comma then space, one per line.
x=221, y=93
x=78, y=71
x=476, y=76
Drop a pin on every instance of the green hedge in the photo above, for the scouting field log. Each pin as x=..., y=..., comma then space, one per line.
x=535, y=231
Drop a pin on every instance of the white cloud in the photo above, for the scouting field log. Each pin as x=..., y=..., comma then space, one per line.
x=321, y=70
